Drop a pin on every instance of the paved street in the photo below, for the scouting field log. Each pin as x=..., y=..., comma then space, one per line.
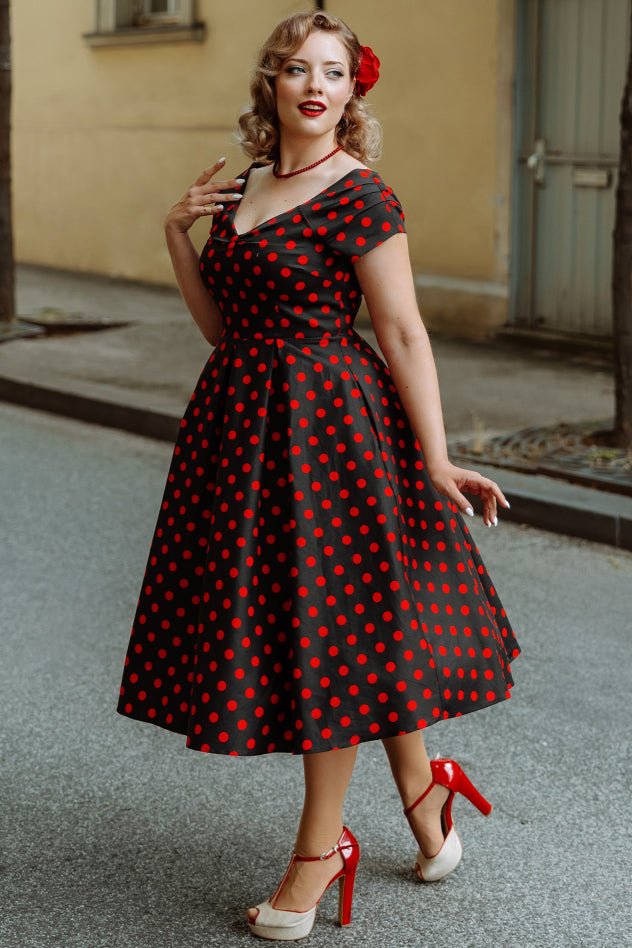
x=115, y=835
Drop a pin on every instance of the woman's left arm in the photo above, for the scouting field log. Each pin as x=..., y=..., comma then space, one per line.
x=386, y=281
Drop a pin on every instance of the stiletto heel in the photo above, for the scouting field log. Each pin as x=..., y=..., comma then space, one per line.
x=287, y=925
x=451, y=775
x=465, y=786
x=345, y=894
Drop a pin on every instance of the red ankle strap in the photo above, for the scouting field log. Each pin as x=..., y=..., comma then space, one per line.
x=325, y=855
x=411, y=806
x=346, y=841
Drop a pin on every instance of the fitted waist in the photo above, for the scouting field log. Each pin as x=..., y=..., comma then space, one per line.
x=292, y=333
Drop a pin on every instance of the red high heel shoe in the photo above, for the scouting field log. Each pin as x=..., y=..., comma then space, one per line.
x=449, y=774
x=287, y=925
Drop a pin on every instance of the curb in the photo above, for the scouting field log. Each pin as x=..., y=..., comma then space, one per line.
x=550, y=503
x=139, y=421
x=539, y=501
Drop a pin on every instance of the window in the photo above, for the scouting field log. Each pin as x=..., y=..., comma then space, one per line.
x=141, y=21
x=159, y=13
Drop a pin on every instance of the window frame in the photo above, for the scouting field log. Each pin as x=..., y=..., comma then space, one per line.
x=115, y=23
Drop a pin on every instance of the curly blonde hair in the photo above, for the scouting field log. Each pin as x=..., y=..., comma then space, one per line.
x=358, y=131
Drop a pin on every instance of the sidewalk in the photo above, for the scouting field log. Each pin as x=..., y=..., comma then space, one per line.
x=139, y=377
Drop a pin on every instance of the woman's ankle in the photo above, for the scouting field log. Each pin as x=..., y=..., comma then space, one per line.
x=316, y=841
x=413, y=785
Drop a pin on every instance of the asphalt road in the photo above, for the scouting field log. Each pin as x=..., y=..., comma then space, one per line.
x=114, y=834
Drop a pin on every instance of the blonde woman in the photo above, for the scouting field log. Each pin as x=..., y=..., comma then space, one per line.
x=312, y=583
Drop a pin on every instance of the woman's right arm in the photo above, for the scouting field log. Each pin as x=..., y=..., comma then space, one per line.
x=200, y=200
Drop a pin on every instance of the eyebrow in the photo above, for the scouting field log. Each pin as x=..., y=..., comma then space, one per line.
x=331, y=62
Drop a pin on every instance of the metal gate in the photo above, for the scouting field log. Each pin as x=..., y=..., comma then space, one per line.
x=571, y=62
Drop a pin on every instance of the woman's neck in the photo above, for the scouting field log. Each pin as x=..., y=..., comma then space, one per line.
x=296, y=154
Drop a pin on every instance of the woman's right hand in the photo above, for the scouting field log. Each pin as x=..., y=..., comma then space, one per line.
x=202, y=198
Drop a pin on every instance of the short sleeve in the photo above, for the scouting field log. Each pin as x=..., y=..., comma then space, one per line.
x=375, y=217
x=369, y=220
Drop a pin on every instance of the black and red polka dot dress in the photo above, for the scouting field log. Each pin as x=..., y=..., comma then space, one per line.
x=307, y=587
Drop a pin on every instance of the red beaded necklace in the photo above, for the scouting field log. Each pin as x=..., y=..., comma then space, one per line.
x=290, y=174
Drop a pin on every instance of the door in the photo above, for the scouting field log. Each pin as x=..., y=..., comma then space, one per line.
x=571, y=63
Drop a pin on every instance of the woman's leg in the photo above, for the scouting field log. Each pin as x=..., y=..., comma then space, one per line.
x=327, y=776
x=410, y=765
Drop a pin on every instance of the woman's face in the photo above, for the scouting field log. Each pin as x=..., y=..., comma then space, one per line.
x=317, y=72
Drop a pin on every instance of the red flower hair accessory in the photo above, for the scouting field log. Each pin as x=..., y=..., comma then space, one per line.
x=368, y=70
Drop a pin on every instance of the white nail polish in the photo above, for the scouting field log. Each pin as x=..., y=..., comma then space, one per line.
x=495, y=521
x=240, y=180
x=469, y=511
x=507, y=504
x=222, y=158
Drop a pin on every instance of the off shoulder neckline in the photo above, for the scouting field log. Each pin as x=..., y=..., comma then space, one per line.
x=369, y=173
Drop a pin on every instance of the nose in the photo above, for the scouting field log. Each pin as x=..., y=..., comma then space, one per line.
x=314, y=84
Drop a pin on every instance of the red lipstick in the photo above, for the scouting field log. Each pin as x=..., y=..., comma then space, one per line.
x=312, y=108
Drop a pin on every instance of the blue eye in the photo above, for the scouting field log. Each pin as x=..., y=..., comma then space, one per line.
x=335, y=72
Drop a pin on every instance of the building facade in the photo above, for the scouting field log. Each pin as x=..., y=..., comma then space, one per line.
x=500, y=122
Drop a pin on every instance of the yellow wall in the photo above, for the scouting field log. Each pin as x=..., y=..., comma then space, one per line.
x=444, y=99
x=105, y=140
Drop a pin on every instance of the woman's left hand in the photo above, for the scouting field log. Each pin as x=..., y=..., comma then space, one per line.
x=450, y=480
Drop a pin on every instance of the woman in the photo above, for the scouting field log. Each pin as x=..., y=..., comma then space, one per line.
x=311, y=583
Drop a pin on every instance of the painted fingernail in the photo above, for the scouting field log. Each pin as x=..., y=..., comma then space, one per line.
x=495, y=521
x=222, y=158
x=236, y=196
x=240, y=180
x=469, y=511
x=507, y=504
